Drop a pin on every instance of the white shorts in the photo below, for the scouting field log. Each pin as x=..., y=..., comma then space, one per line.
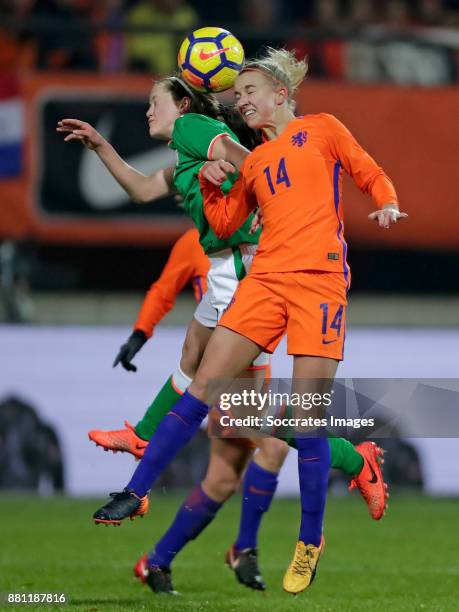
x=227, y=268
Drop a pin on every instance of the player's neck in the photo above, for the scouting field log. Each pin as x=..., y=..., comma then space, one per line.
x=275, y=128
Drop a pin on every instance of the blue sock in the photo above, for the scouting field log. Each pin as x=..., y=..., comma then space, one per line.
x=313, y=467
x=173, y=433
x=258, y=492
x=197, y=511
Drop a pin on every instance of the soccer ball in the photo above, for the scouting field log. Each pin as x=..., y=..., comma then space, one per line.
x=210, y=59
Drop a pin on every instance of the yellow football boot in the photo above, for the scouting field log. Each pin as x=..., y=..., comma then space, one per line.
x=302, y=569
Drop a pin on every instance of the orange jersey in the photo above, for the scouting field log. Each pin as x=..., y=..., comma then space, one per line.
x=296, y=180
x=187, y=262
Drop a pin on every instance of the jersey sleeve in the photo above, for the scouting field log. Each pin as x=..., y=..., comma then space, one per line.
x=196, y=135
x=185, y=264
x=226, y=213
x=368, y=176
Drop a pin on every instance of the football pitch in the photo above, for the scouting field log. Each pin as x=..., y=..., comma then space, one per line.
x=408, y=561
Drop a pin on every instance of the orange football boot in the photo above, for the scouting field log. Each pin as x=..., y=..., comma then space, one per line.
x=123, y=440
x=370, y=480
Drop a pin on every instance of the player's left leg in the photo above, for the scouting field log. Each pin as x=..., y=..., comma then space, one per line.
x=310, y=375
x=228, y=460
x=259, y=487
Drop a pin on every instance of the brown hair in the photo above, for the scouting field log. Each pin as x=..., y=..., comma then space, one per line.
x=208, y=105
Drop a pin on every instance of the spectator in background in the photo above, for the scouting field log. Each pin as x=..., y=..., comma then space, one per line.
x=410, y=62
x=361, y=13
x=361, y=56
x=110, y=43
x=157, y=52
x=325, y=57
x=15, y=53
x=62, y=47
x=396, y=59
x=431, y=13
x=327, y=13
x=262, y=17
x=397, y=14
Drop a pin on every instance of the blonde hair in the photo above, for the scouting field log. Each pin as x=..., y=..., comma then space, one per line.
x=282, y=66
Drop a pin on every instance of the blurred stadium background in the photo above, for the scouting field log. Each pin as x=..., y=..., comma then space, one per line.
x=76, y=256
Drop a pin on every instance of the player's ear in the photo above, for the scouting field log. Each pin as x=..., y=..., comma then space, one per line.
x=281, y=95
x=185, y=105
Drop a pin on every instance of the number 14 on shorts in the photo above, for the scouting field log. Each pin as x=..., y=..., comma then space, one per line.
x=335, y=323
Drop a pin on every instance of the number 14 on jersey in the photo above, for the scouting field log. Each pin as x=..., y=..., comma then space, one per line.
x=281, y=176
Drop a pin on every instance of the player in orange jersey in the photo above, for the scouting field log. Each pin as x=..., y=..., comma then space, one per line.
x=297, y=285
x=186, y=263
x=299, y=279
x=178, y=427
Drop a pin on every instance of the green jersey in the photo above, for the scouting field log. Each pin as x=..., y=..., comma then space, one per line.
x=192, y=137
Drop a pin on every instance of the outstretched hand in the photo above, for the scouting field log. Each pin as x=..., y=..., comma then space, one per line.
x=82, y=131
x=387, y=216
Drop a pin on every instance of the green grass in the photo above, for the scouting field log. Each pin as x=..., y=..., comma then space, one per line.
x=407, y=562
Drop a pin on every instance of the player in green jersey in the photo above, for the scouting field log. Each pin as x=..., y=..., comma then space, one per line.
x=191, y=122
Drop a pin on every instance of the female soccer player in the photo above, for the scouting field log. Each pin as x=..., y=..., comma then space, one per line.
x=190, y=121
x=299, y=280
x=300, y=277
x=187, y=262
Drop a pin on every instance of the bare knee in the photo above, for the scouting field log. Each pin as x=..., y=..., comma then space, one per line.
x=205, y=386
x=220, y=488
x=193, y=348
x=189, y=361
x=272, y=454
x=226, y=466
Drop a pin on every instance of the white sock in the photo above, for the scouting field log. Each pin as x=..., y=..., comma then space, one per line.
x=180, y=380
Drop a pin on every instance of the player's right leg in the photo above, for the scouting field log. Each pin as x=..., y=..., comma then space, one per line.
x=228, y=460
x=269, y=297
x=229, y=354
x=134, y=439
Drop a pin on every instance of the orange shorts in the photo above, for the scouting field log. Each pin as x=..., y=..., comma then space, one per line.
x=310, y=306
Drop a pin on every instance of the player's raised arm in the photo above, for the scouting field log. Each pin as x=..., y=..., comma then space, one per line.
x=224, y=213
x=368, y=176
x=140, y=187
